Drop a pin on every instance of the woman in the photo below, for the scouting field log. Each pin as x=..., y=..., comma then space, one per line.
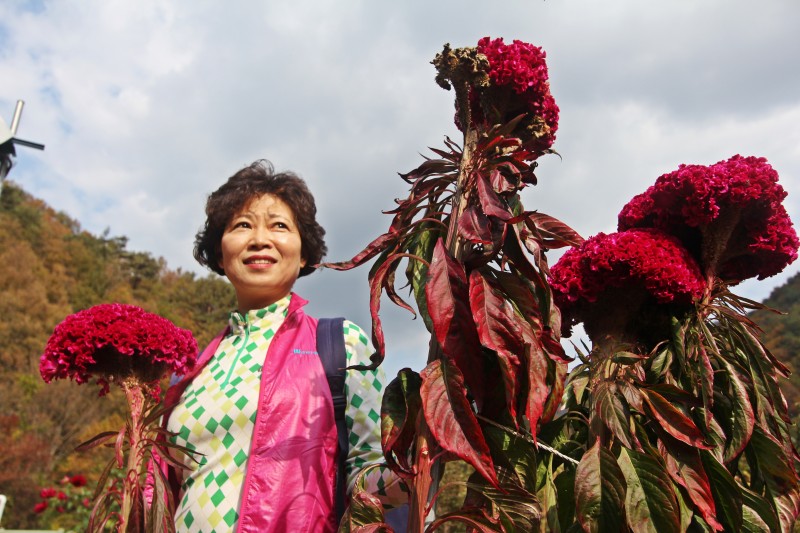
x=258, y=407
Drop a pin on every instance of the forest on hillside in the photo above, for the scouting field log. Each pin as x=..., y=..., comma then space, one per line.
x=781, y=334
x=49, y=268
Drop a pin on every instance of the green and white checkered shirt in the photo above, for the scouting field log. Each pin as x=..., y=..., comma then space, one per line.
x=217, y=413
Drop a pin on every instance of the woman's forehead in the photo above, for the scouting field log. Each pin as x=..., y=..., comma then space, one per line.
x=265, y=203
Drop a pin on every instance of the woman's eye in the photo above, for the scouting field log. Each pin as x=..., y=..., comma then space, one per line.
x=241, y=224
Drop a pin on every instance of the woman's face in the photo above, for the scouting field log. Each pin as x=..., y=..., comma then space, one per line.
x=261, y=252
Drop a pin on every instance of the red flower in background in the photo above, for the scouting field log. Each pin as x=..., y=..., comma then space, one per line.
x=111, y=341
x=645, y=258
x=40, y=507
x=49, y=492
x=78, y=480
x=738, y=200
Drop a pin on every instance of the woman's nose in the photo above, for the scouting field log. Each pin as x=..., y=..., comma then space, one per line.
x=261, y=238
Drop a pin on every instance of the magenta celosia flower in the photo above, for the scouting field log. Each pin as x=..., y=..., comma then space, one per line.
x=115, y=341
x=49, y=492
x=739, y=200
x=520, y=67
x=643, y=258
x=40, y=507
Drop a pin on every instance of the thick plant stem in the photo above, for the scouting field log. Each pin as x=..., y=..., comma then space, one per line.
x=426, y=445
x=130, y=521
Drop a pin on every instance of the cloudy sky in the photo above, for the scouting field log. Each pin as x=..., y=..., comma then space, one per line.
x=146, y=106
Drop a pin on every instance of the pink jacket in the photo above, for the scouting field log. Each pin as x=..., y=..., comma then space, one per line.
x=289, y=484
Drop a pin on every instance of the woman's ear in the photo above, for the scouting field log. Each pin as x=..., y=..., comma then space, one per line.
x=219, y=260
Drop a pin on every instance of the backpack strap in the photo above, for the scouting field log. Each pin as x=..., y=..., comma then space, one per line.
x=331, y=349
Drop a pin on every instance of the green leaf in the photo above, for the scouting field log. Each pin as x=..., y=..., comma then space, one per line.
x=548, y=499
x=365, y=510
x=514, y=453
x=788, y=508
x=742, y=417
x=727, y=496
x=650, y=503
x=611, y=410
x=772, y=461
x=515, y=508
x=417, y=272
x=599, y=491
x=760, y=506
x=627, y=358
x=399, y=409
x=752, y=522
x=565, y=490
x=659, y=364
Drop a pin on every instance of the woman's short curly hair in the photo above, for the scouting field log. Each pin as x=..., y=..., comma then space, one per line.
x=248, y=184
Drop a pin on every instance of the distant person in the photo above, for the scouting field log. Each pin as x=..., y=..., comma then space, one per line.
x=258, y=406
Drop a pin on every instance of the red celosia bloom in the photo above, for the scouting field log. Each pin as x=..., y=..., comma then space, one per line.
x=521, y=67
x=49, y=492
x=743, y=192
x=60, y=509
x=61, y=495
x=114, y=341
x=644, y=258
x=40, y=507
x=78, y=480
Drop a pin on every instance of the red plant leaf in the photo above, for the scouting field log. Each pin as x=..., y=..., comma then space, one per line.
x=498, y=330
x=474, y=226
x=500, y=183
x=557, y=377
x=490, y=201
x=673, y=421
x=686, y=469
x=376, y=285
x=554, y=232
x=450, y=417
x=520, y=293
x=447, y=294
x=97, y=440
x=514, y=254
x=538, y=391
x=371, y=250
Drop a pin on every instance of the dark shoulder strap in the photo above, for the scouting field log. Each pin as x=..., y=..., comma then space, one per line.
x=331, y=349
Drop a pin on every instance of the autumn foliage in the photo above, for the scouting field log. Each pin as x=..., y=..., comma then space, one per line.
x=49, y=268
